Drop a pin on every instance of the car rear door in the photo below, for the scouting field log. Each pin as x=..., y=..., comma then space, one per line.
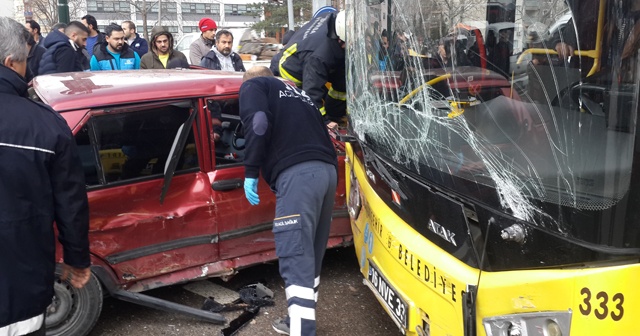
x=245, y=230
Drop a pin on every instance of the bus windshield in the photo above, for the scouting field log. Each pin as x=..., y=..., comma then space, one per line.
x=528, y=107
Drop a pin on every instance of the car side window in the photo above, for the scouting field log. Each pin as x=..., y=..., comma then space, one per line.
x=227, y=130
x=134, y=144
x=87, y=157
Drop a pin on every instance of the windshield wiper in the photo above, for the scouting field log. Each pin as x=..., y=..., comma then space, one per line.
x=378, y=165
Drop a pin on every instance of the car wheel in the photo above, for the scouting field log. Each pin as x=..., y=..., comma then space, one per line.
x=73, y=311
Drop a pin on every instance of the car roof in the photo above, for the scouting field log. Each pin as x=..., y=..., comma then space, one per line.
x=82, y=90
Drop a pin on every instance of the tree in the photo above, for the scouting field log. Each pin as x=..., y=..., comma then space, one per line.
x=45, y=12
x=276, y=15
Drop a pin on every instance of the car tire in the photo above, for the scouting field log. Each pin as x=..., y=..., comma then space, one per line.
x=73, y=311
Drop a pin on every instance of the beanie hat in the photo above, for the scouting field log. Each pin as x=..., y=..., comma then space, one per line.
x=207, y=24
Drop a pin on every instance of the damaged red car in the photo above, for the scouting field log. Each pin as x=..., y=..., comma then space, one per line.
x=162, y=154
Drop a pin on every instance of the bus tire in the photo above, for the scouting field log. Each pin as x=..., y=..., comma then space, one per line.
x=73, y=311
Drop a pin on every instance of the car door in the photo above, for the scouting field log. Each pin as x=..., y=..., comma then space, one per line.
x=244, y=229
x=126, y=154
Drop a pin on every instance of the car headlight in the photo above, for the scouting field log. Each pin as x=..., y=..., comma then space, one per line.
x=554, y=323
x=355, y=203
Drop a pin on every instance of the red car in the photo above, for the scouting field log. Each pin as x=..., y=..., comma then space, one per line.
x=166, y=201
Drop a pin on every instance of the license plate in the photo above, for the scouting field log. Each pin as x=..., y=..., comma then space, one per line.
x=388, y=295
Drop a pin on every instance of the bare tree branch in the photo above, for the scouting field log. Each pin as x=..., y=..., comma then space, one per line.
x=45, y=12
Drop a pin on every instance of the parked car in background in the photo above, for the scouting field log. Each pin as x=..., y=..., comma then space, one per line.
x=166, y=201
x=184, y=42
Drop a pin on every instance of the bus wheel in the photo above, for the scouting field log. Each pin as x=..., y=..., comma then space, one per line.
x=73, y=311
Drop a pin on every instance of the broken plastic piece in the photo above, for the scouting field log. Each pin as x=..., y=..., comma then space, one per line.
x=256, y=294
x=249, y=314
x=212, y=305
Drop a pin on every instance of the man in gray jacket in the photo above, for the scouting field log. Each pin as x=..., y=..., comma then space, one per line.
x=204, y=43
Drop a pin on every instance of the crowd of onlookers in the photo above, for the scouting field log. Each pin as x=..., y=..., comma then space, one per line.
x=81, y=46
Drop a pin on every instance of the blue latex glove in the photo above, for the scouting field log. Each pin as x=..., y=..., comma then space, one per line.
x=251, y=190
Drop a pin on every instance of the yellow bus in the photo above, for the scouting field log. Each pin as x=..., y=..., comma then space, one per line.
x=493, y=164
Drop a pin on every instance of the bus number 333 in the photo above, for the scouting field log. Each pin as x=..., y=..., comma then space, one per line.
x=599, y=305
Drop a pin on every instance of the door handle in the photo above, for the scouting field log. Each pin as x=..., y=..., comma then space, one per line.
x=225, y=185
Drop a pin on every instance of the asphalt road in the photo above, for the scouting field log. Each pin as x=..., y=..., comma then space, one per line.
x=345, y=305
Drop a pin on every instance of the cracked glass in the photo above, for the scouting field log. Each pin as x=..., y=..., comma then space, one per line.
x=529, y=106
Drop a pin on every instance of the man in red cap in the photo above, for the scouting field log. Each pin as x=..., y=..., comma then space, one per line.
x=201, y=46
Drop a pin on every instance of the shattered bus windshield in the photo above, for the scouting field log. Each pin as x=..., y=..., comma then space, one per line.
x=528, y=107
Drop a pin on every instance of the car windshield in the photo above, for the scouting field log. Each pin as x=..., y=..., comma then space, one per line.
x=512, y=104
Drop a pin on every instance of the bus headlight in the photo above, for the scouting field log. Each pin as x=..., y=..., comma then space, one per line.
x=355, y=203
x=553, y=329
x=555, y=323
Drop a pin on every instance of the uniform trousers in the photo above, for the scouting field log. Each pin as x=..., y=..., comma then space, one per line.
x=305, y=194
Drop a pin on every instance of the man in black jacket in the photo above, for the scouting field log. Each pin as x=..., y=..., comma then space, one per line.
x=291, y=37
x=42, y=181
x=314, y=57
x=33, y=61
x=221, y=57
x=64, y=50
x=287, y=141
x=34, y=29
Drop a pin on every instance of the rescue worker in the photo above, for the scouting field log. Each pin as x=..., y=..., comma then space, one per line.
x=292, y=36
x=287, y=141
x=42, y=182
x=315, y=56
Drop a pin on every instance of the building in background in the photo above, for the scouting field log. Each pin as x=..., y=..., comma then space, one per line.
x=13, y=9
x=180, y=17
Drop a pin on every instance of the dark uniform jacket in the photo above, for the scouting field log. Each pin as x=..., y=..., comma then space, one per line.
x=211, y=61
x=315, y=57
x=286, y=39
x=282, y=127
x=42, y=181
x=62, y=55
